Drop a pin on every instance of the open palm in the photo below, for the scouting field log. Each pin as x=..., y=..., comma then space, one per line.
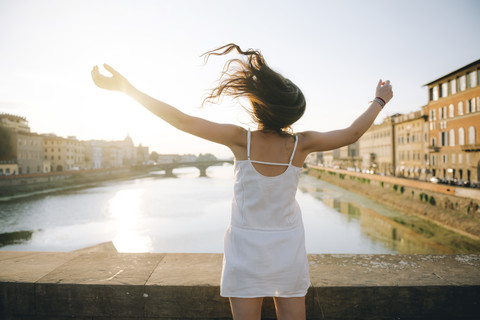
x=116, y=82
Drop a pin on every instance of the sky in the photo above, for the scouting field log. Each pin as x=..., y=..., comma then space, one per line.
x=335, y=51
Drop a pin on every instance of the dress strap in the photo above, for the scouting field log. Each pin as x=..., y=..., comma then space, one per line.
x=249, y=139
x=294, y=148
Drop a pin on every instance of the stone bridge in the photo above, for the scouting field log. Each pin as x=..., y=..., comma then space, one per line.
x=200, y=165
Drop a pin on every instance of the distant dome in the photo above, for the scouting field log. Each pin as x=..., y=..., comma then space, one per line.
x=128, y=138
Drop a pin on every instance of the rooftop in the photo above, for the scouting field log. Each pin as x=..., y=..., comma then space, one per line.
x=454, y=72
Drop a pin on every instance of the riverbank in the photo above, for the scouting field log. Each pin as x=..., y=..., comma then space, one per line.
x=460, y=214
x=15, y=187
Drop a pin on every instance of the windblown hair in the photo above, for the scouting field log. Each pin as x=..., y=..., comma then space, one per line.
x=276, y=101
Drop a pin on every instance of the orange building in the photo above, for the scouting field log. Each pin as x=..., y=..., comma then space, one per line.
x=454, y=125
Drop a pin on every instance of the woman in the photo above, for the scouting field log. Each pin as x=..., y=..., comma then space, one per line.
x=264, y=244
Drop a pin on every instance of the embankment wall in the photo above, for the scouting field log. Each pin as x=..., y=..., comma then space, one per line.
x=453, y=207
x=24, y=185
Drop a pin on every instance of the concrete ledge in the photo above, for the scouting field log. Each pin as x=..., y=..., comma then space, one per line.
x=99, y=283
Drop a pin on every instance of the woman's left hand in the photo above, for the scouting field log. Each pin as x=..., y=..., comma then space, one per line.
x=116, y=82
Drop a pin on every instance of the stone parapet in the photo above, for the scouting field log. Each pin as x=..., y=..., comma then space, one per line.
x=99, y=283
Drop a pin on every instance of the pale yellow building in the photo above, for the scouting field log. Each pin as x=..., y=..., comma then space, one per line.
x=64, y=154
x=8, y=168
x=411, y=134
x=21, y=147
x=376, y=148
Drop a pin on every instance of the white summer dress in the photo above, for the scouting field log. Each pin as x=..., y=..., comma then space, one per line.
x=264, y=245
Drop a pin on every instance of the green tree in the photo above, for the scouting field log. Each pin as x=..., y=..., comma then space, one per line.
x=6, y=144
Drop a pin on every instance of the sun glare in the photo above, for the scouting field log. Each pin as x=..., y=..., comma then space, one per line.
x=126, y=214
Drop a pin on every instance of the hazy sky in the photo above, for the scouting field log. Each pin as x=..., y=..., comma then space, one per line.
x=335, y=51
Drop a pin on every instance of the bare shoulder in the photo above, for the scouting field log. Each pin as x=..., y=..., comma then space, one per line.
x=238, y=140
x=308, y=139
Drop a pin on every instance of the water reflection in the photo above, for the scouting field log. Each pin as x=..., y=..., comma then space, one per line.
x=125, y=209
x=191, y=214
x=400, y=233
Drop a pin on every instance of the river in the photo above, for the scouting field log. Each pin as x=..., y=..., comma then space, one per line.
x=190, y=214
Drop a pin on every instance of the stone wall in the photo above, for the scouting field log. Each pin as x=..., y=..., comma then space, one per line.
x=99, y=283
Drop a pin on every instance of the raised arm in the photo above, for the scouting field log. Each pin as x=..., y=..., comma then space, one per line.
x=322, y=141
x=226, y=134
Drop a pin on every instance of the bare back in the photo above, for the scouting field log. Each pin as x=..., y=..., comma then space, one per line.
x=271, y=147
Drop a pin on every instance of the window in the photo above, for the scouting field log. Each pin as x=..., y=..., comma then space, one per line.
x=434, y=114
x=461, y=137
x=434, y=142
x=452, y=138
x=473, y=79
x=435, y=93
x=471, y=135
x=453, y=158
x=460, y=158
x=451, y=111
x=460, y=108
x=444, y=89
x=444, y=158
x=453, y=86
x=443, y=138
x=444, y=112
x=463, y=83
x=470, y=105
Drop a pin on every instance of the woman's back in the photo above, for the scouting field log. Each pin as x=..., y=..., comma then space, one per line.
x=266, y=200
x=271, y=147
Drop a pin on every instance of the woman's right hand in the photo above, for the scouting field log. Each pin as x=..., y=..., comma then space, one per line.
x=384, y=90
x=116, y=82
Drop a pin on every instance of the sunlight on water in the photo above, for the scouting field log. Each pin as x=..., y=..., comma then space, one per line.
x=125, y=210
x=191, y=214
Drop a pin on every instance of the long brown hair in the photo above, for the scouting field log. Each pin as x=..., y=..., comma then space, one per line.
x=276, y=101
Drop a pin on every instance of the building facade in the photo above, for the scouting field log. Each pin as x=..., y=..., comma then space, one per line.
x=454, y=125
x=20, y=147
x=411, y=134
x=64, y=154
x=377, y=148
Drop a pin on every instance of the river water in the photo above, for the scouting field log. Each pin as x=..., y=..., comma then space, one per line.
x=190, y=214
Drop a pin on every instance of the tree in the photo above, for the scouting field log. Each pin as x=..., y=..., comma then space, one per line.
x=206, y=157
x=6, y=144
x=153, y=156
